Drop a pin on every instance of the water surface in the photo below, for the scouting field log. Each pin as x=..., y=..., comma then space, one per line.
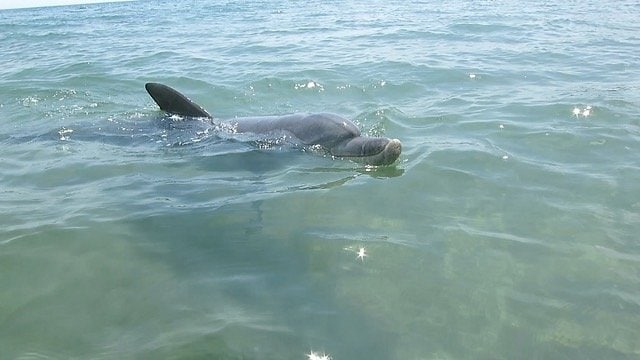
x=507, y=229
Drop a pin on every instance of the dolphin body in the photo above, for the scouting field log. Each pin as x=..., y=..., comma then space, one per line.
x=337, y=135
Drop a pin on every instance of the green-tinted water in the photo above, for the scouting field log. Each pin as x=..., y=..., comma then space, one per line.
x=508, y=228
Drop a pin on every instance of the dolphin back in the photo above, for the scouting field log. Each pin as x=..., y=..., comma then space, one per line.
x=173, y=102
x=322, y=129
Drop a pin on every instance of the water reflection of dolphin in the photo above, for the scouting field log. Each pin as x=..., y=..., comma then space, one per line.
x=335, y=134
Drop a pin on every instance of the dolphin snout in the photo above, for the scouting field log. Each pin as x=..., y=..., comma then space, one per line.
x=391, y=152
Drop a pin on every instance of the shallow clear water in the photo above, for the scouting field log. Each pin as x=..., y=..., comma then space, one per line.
x=508, y=228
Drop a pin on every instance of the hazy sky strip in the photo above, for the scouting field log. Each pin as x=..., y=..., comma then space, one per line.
x=16, y=4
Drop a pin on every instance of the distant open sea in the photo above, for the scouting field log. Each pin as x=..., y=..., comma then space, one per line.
x=508, y=229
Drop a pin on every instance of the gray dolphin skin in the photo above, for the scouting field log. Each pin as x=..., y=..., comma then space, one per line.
x=336, y=135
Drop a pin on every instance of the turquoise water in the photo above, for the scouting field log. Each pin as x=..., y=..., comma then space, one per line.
x=508, y=229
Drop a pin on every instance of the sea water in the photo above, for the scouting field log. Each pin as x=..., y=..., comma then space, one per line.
x=508, y=228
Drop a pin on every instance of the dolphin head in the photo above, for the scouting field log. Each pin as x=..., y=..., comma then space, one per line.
x=369, y=150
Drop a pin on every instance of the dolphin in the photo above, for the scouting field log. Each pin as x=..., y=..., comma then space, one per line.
x=338, y=136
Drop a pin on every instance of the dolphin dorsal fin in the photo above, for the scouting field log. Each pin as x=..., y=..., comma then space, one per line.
x=173, y=102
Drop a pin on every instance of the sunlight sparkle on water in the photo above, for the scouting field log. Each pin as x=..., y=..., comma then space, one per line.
x=362, y=253
x=309, y=85
x=65, y=134
x=577, y=112
x=317, y=356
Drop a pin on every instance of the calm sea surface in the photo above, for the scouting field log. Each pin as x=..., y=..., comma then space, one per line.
x=508, y=229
